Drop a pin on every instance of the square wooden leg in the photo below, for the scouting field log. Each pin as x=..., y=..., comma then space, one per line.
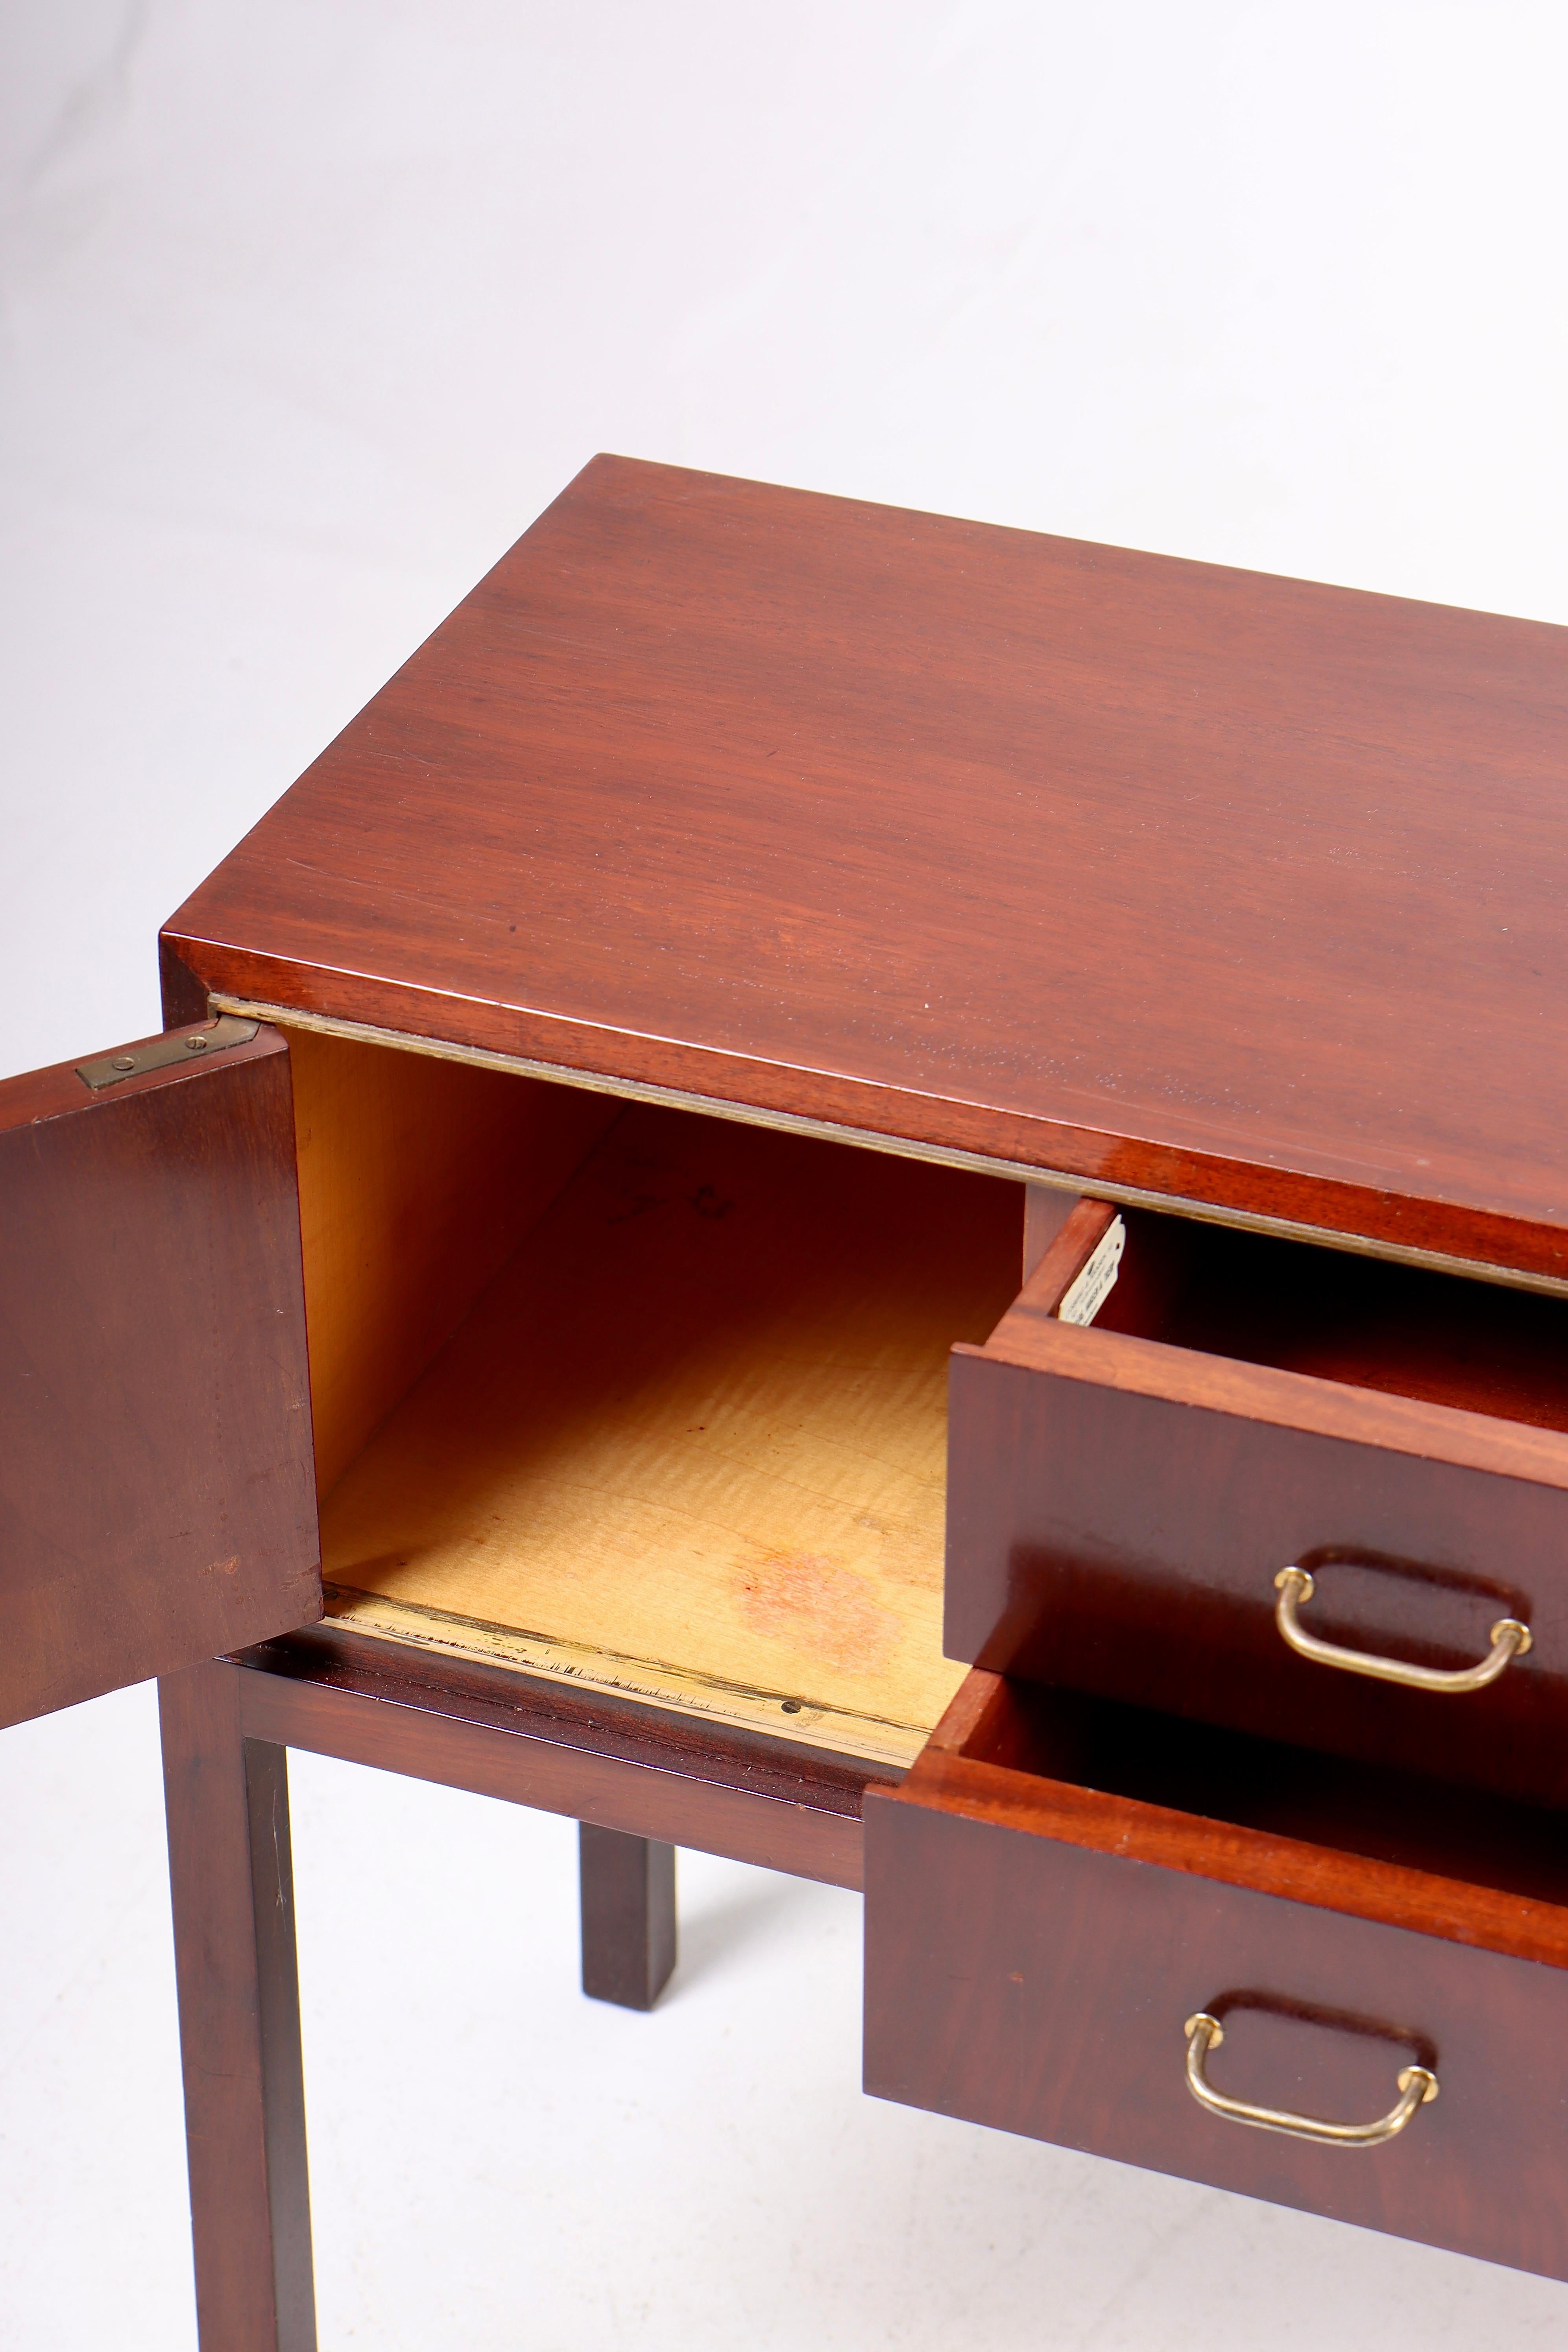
x=627, y=1886
x=231, y=1874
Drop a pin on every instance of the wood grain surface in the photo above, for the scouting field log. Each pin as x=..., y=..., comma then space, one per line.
x=417, y=1180
x=1034, y=1947
x=231, y=1876
x=616, y=1761
x=1119, y=1503
x=156, y=1501
x=1235, y=890
x=689, y=1443
x=1046, y=1212
x=626, y=1900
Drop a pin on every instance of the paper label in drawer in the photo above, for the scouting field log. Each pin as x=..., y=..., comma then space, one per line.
x=1087, y=1293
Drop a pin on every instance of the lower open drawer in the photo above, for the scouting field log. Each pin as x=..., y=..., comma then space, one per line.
x=1061, y=1886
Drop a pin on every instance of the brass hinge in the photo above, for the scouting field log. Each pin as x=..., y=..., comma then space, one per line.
x=179, y=1045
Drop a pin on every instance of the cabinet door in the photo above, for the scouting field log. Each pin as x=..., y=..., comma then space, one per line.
x=157, y=1499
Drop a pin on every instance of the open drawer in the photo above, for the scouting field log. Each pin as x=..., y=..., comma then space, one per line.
x=1064, y=1890
x=1125, y=1495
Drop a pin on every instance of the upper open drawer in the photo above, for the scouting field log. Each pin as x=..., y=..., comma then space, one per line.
x=1125, y=1496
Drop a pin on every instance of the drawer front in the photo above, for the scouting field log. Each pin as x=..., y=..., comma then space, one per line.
x=1016, y=1980
x=1119, y=1511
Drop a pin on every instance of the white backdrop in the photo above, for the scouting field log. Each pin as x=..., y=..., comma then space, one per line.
x=307, y=310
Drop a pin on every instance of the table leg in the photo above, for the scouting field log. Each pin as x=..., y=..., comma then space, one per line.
x=232, y=1880
x=627, y=1886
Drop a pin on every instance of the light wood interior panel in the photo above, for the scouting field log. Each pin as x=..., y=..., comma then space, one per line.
x=417, y=1178
x=690, y=1442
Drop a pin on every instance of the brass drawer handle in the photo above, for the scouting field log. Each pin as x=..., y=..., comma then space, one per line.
x=1203, y=2032
x=1294, y=1585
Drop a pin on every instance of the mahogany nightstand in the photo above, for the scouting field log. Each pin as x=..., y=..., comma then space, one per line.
x=788, y=1028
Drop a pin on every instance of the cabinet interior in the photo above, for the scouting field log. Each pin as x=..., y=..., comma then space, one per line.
x=644, y=1398
x=1340, y=1315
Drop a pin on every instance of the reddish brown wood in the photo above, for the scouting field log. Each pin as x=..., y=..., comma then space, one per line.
x=1120, y=1506
x=1401, y=1847
x=156, y=1497
x=1060, y=1234
x=626, y=1891
x=184, y=998
x=1034, y=1947
x=231, y=1876
x=1158, y=875
x=1168, y=880
x=648, y=1778
x=1046, y=1212
x=621, y=1765
x=1405, y=1331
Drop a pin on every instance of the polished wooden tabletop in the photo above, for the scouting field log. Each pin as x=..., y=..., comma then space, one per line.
x=1184, y=882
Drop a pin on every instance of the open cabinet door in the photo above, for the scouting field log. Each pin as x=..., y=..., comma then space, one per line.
x=157, y=1496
